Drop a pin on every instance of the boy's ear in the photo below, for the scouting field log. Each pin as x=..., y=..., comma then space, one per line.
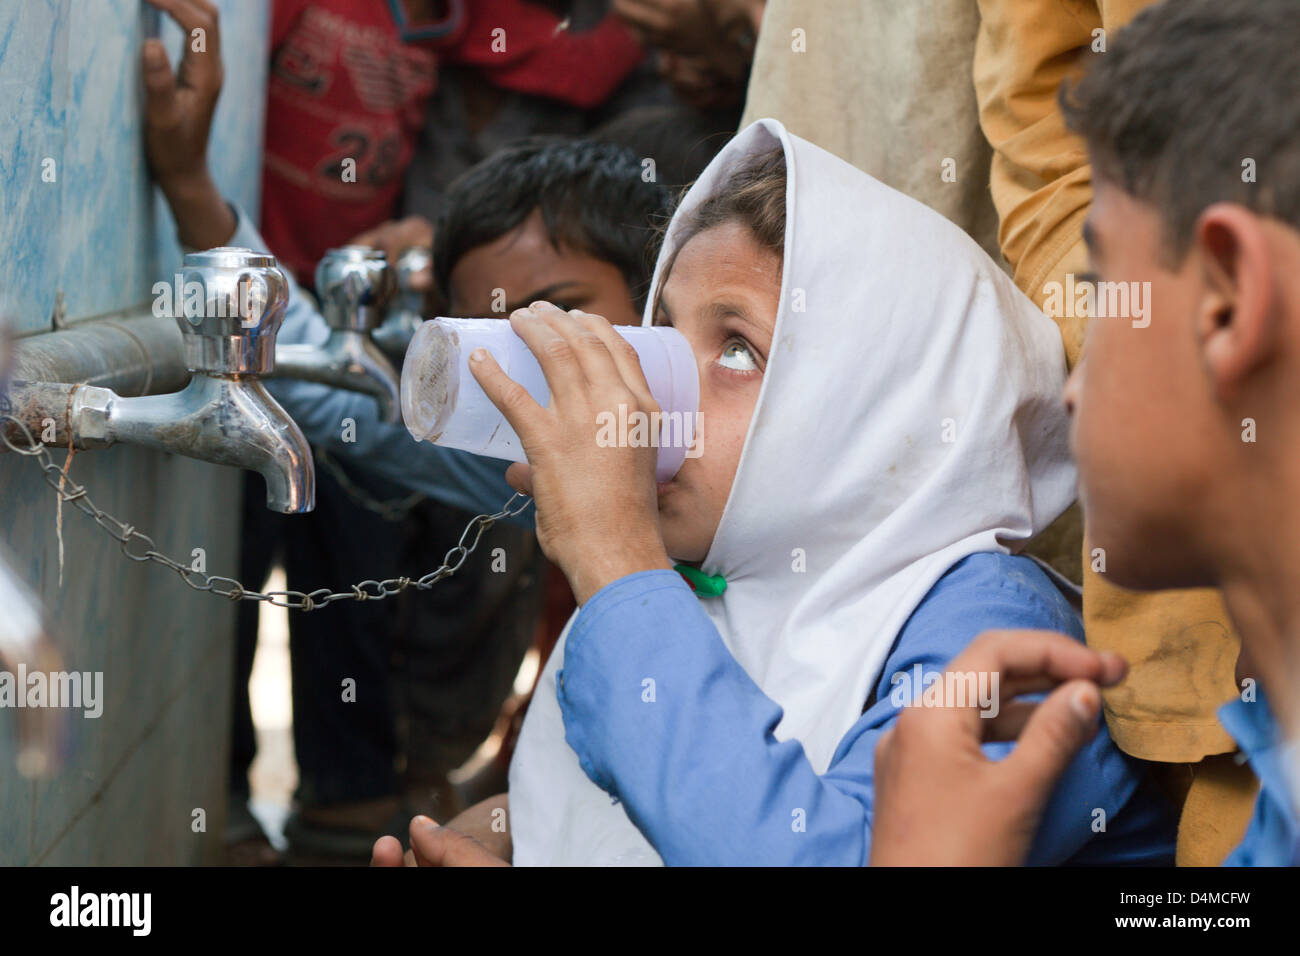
x=1236, y=324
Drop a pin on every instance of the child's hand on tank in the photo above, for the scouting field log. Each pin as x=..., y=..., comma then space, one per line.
x=940, y=801
x=597, y=504
x=178, y=120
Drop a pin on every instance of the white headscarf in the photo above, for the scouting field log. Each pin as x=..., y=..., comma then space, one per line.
x=910, y=415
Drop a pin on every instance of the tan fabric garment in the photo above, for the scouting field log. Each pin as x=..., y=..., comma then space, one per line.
x=1219, y=805
x=881, y=84
x=1181, y=652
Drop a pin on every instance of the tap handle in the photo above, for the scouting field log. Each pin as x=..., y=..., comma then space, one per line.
x=234, y=302
x=354, y=284
x=413, y=260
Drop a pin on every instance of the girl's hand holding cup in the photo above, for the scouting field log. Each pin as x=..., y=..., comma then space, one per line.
x=597, y=507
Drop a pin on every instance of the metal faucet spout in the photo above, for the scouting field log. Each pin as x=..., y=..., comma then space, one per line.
x=348, y=360
x=225, y=420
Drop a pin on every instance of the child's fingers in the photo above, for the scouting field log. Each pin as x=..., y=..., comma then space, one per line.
x=387, y=852
x=201, y=64
x=598, y=366
x=1029, y=653
x=162, y=110
x=559, y=362
x=418, y=825
x=519, y=476
x=193, y=15
x=511, y=399
x=625, y=357
x=1054, y=733
x=588, y=352
x=439, y=846
x=1109, y=670
x=1029, y=661
x=1024, y=662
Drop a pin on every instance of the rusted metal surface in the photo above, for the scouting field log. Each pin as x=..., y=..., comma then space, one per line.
x=43, y=408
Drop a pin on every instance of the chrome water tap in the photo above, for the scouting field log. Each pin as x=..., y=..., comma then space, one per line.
x=235, y=300
x=407, y=311
x=354, y=285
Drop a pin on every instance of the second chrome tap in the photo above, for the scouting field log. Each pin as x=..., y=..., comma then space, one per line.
x=354, y=285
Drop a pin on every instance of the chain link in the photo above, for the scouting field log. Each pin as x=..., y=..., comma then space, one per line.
x=127, y=536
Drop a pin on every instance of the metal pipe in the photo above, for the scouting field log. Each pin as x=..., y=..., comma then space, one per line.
x=131, y=353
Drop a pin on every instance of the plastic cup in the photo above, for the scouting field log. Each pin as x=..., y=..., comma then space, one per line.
x=443, y=403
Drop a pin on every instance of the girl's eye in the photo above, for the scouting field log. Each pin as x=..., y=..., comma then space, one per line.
x=738, y=356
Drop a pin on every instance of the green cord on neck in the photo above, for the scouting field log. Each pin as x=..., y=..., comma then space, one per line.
x=704, y=585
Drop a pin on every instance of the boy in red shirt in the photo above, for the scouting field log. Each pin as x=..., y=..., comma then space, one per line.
x=350, y=83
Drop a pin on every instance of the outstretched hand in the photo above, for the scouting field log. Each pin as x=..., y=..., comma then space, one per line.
x=597, y=503
x=940, y=801
x=178, y=120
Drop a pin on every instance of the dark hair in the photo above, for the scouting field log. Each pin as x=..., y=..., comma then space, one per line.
x=680, y=139
x=754, y=195
x=591, y=197
x=1187, y=93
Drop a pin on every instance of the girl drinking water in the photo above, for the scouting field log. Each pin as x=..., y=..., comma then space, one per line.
x=882, y=433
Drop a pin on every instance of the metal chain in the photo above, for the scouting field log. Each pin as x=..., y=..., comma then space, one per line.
x=125, y=534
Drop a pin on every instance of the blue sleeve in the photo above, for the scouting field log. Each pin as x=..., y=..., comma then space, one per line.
x=696, y=763
x=1273, y=836
x=453, y=477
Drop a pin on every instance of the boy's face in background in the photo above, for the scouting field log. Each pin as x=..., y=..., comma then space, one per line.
x=526, y=267
x=1144, y=423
